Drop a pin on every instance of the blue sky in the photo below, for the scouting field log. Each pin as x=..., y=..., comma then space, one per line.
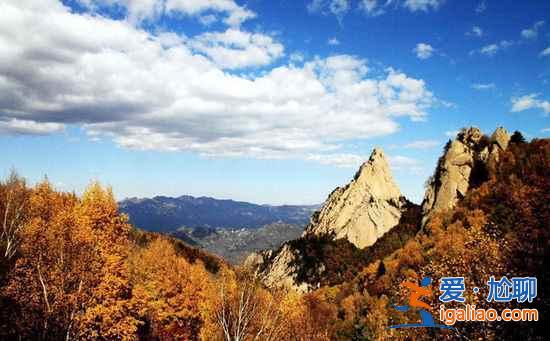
x=264, y=101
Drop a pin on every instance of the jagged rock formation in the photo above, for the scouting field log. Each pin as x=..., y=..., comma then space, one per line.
x=501, y=138
x=363, y=210
x=462, y=162
x=278, y=269
x=371, y=205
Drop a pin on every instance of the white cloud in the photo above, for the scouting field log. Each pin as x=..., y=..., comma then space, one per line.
x=208, y=19
x=489, y=50
x=530, y=101
x=235, y=49
x=296, y=57
x=481, y=7
x=147, y=91
x=333, y=41
x=343, y=160
x=373, y=7
x=338, y=8
x=378, y=7
x=398, y=163
x=16, y=126
x=545, y=130
x=481, y=86
x=423, y=51
x=136, y=10
x=476, y=31
x=422, y=144
x=422, y=5
x=316, y=6
x=139, y=10
x=235, y=14
x=492, y=49
x=533, y=31
x=545, y=52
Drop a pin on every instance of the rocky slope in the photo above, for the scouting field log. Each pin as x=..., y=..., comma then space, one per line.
x=234, y=245
x=363, y=210
x=360, y=212
x=463, y=164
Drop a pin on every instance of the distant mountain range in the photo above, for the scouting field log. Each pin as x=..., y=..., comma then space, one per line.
x=167, y=214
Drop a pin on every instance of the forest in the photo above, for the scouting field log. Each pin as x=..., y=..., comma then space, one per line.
x=72, y=267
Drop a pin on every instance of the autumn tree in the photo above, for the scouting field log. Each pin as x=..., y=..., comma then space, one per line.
x=53, y=273
x=71, y=276
x=244, y=310
x=169, y=293
x=14, y=196
x=109, y=313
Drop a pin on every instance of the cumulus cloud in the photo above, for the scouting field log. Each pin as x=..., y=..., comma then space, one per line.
x=140, y=10
x=482, y=87
x=545, y=52
x=156, y=92
x=333, y=41
x=422, y=144
x=530, y=101
x=533, y=31
x=476, y=31
x=423, y=51
x=235, y=49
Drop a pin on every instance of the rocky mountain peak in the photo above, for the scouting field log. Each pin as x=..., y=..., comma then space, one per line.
x=363, y=210
x=501, y=138
x=377, y=154
x=462, y=159
x=360, y=212
x=470, y=136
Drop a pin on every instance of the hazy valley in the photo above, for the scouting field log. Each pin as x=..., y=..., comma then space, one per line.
x=228, y=228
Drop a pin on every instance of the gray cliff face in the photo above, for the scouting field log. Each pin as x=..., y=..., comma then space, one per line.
x=454, y=172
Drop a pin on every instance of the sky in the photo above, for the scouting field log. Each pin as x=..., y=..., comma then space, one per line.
x=268, y=101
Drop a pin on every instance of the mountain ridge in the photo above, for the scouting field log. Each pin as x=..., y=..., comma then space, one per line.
x=356, y=216
x=167, y=214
